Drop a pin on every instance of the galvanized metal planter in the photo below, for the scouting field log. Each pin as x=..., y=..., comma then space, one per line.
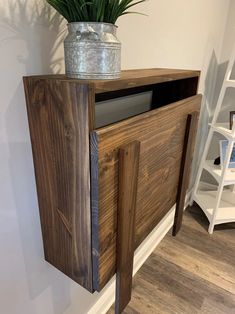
x=92, y=51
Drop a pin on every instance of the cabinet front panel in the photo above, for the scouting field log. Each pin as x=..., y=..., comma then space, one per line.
x=161, y=134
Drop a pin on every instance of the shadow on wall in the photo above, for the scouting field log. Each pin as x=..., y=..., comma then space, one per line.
x=33, y=34
x=39, y=274
x=214, y=78
x=207, y=109
x=222, y=68
x=40, y=27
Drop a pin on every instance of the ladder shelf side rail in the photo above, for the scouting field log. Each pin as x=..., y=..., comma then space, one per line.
x=221, y=185
x=223, y=175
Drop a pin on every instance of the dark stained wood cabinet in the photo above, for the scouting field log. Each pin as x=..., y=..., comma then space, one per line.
x=77, y=165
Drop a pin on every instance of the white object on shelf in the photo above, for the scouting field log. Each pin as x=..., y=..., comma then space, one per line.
x=219, y=205
x=223, y=150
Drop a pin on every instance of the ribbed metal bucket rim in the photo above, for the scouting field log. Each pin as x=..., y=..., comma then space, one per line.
x=110, y=24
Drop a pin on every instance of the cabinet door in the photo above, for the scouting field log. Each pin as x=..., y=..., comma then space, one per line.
x=161, y=136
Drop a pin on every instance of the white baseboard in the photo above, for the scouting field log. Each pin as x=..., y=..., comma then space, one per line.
x=107, y=296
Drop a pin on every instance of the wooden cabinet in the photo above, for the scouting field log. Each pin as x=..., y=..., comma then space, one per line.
x=77, y=164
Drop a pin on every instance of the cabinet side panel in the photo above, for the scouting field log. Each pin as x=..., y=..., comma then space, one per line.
x=59, y=129
x=94, y=207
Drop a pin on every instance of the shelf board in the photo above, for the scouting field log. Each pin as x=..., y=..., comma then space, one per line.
x=129, y=79
x=207, y=201
x=223, y=128
x=230, y=83
x=216, y=172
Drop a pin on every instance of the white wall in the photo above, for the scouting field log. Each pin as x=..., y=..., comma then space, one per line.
x=227, y=48
x=229, y=33
x=177, y=33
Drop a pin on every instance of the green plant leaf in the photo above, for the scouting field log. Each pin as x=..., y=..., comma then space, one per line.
x=107, y=11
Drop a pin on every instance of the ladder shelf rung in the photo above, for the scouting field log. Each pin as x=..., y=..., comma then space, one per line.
x=216, y=172
x=230, y=83
x=207, y=201
x=223, y=128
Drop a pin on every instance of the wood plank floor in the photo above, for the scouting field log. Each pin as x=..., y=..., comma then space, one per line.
x=192, y=273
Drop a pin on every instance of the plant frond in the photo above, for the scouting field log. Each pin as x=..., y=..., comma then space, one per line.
x=107, y=11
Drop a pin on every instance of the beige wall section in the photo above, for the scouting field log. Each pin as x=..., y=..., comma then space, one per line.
x=227, y=48
x=177, y=33
x=229, y=33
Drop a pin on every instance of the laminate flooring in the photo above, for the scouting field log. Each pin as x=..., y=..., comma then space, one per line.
x=190, y=274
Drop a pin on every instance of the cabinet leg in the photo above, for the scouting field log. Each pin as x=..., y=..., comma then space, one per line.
x=187, y=156
x=128, y=180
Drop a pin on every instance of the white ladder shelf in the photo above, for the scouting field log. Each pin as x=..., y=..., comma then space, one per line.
x=219, y=206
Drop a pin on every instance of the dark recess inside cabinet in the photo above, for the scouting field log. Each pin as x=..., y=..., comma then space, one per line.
x=111, y=107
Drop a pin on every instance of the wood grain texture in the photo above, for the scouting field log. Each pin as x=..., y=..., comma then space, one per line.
x=161, y=134
x=94, y=207
x=131, y=78
x=163, y=93
x=59, y=127
x=127, y=195
x=185, y=169
x=134, y=78
x=191, y=273
x=61, y=114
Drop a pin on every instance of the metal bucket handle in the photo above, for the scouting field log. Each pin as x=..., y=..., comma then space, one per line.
x=89, y=33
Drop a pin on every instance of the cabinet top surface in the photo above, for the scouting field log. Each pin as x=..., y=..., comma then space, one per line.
x=129, y=79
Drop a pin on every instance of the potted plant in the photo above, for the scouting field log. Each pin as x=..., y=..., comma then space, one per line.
x=92, y=50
